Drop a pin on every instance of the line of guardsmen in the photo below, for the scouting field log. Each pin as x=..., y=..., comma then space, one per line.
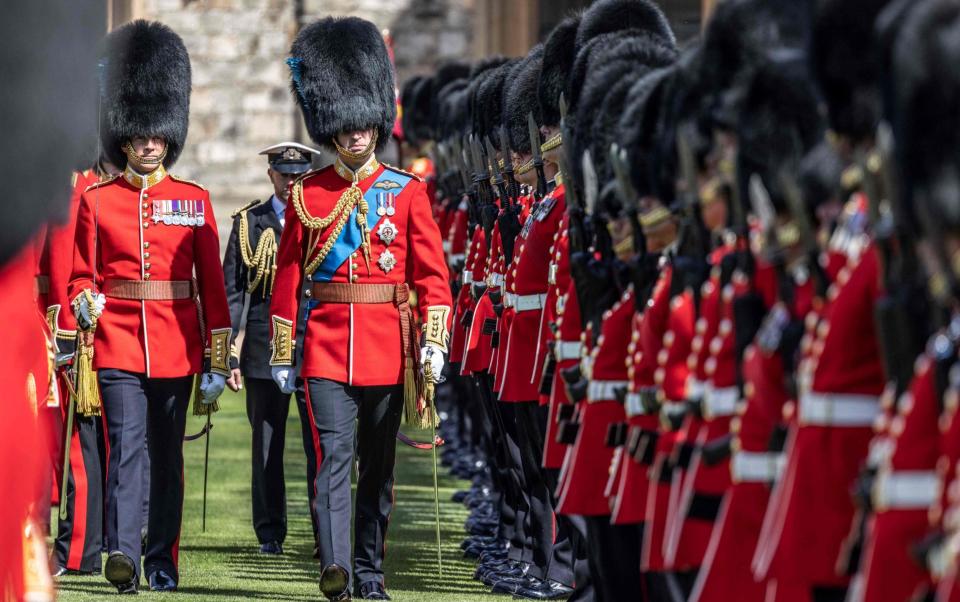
x=705, y=338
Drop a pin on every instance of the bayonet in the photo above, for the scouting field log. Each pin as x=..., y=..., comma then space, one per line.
x=497, y=175
x=621, y=171
x=534, y=132
x=512, y=186
x=590, y=184
x=766, y=215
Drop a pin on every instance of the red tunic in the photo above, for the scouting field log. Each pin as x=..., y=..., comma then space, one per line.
x=811, y=510
x=528, y=280
x=464, y=302
x=118, y=238
x=360, y=344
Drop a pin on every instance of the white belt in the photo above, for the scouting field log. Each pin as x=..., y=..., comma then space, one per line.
x=467, y=276
x=881, y=448
x=905, y=489
x=457, y=257
x=447, y=245
x=756, y=467
x=494, y=279
x=838, y=409
x=673, y=408
x=720, y=401
x=634, y=405
x=604, y=390
x=526, y=302
x=695, y=389
x=567, y=350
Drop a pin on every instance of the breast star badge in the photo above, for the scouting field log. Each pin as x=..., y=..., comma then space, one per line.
x=386, y=261
x=387, y=231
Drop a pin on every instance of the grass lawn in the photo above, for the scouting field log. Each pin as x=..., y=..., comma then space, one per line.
x=223, y=563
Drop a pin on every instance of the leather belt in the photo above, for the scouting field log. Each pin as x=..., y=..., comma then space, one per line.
x=905, y=490
x=41, y=284
x=721, y=401
x=149, y=290
x=695, y=389
x=604, y=390
x=838, y=409
x=756, y=467
x=526, y=302
x=638, y=402
x=567, y=350
x=467, y=276
x=397, y=294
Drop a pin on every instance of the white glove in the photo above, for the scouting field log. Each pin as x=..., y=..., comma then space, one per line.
x=86, y=314
x=211, y=386
x=433, y=356
x=285, y=377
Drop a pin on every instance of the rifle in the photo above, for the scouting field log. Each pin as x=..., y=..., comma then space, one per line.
x=497, y=175
x=534, y=133
x=513, y=187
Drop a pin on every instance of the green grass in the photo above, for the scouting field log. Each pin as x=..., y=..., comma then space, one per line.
x=223, y=563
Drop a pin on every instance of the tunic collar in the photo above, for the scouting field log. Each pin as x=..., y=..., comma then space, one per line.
x=363, y=173
x=141, y=181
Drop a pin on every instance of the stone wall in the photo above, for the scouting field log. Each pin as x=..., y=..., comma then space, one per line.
x=241, y=102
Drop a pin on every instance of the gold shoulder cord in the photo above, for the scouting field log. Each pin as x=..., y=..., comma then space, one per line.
x=351, y=197
x=262, y=263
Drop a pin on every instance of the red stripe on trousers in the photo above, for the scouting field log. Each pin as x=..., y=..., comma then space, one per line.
x=78, y=469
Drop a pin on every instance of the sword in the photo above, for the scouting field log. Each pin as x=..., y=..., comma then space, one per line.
x=430, y=399
x=71, y=408
x=206, y=464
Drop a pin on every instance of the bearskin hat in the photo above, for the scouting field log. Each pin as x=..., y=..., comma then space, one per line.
x=926, y=122
x=559, y=52
x=779, y=121
x=48, y=113
x=638, y=126
x=343, y=80
x=488, y=101
x=446, y=73
x=606, y=16
x=846, y=64
x=820, y=175
x=452, y=117
x=415, y=100
x=520, y=100
x=146, y=89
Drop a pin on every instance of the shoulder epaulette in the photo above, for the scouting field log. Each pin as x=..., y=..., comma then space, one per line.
x=249, y=205
x=186, y=181
x=101, y=182
x=309, y=174
x=404, y=172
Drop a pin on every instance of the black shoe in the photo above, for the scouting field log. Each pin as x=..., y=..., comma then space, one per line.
x=271, y=547
x=513, y=585
x=371, y=590
x=161, y=581
x=333, y=582
x=548, y=590
x=121, y=572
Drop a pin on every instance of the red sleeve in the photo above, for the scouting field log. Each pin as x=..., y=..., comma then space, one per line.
x=60, y=250
x=206, y=253
x=426, y=266
x=286, y=286
x=84, y=251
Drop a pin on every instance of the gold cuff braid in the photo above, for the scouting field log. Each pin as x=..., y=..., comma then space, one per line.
x=220, y=351
x=435, y=328
x=282, y=344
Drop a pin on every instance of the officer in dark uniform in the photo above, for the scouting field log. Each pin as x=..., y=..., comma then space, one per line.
x=249, y=266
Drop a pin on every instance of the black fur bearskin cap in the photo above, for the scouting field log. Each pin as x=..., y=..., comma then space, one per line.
x=452, y=118
x=559, y=52
x=779, y=122
x=846, y=64
x=520, y=100
x=606, y=16
x=643, y=106
x=926, y=122
x=343, y=80
x=447, y=72
x=415, y=129
x=145, y=83
x=488, y=102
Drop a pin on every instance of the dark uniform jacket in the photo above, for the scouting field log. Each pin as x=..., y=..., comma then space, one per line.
x=241, y=268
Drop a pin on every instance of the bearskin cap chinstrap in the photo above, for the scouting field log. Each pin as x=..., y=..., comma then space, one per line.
x=559, y=52
x=146, y=89
x=342, y=78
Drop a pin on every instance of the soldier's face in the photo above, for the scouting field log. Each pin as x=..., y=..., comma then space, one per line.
x=148, y=149
x=281, y=182
x=548, y=132
x=355, y=142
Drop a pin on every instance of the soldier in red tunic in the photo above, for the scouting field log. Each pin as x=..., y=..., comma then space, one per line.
x=360, y=238
x=147, y=288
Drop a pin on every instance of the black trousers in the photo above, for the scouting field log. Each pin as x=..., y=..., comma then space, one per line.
x=267, y=410
x=615, y=560
x=340, y=414
x=138, y=408
x=80, y=533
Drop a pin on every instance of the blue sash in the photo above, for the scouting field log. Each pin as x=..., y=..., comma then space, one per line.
x=351, y=237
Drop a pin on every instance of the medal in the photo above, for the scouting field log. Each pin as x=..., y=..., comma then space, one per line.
x=156, y=212
x=381, y=209
x=387, y=231
x=167, y=213
x=391, y=203
x=386, y=261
